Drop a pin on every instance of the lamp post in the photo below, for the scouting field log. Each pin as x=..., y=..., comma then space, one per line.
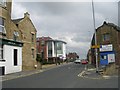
x=96, y=53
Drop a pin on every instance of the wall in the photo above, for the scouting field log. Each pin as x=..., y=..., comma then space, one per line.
x=114, y=38
x=8, y=56
x=27, y=29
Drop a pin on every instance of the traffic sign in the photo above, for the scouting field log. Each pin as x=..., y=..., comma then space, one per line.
x=95, y=46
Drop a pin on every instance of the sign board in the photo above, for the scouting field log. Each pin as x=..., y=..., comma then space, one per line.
x=111, y=58
x=95, y=46
x=106, y=48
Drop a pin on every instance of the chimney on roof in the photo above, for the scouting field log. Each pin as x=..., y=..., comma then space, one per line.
x=27, y=15
x=105, y=22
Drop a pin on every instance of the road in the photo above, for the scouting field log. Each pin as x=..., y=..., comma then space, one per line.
x=65, y=76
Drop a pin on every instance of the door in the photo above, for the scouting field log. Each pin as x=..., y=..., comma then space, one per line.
x=2, y=71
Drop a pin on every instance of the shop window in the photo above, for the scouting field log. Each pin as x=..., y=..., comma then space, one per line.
x=15, y=57
x=103, y=57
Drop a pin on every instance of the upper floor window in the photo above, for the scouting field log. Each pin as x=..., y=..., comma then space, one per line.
x=106, y=37
x=2, y=28
x=32, y=38
x=15, y=35
x=42, y=42
x=3, y=3
x=33, y=51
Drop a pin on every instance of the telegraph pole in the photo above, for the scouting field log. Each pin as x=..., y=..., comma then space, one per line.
x=96, y=52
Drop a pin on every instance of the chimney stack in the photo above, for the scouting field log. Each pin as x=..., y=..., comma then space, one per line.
x=27, y=15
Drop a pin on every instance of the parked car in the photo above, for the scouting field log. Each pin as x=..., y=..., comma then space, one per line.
x=84, y=61
x=77, y=61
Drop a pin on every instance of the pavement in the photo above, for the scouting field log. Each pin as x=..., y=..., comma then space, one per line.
x=28, y=73
x=90, y=73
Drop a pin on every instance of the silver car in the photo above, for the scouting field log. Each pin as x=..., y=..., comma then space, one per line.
x=77, y=61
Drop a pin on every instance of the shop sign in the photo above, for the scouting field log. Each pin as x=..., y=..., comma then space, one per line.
x=106, y=48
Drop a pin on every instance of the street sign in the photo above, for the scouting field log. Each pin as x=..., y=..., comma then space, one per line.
x=95, y=46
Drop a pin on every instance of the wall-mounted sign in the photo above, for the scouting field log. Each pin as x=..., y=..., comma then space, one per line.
x=106, y=48
x=111, y=58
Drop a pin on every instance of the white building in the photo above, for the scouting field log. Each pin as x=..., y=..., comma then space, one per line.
x=56, y=48
x=10, y=56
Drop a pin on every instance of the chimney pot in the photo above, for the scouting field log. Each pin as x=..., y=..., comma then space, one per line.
x=26, y=14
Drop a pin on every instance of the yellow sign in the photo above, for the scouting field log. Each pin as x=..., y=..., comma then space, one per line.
x=95, y=46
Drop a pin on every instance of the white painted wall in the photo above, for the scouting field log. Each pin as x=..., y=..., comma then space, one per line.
x=53, y=51
x=8, y=56
x=64, y=50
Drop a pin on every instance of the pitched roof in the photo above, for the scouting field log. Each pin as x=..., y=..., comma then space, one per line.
x=111, y=25
x=16, y=21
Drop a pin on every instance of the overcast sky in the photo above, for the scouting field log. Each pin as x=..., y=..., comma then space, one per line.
x=71, y=22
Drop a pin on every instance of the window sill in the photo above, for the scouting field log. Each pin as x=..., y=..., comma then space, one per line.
x=2, y=60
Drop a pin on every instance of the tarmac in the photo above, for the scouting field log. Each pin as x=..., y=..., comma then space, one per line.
x=28, y=73
x=89, y=72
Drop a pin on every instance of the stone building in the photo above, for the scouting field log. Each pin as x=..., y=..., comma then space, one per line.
x=108, y=39
x=10, y=41
x=28, y=32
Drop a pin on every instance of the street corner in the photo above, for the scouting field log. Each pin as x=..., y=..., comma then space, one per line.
x=82, y=73
x=90, y=74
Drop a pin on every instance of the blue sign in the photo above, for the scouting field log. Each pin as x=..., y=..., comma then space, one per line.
x=104, y=57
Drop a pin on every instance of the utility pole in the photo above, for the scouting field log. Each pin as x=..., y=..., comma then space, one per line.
x=96, y=52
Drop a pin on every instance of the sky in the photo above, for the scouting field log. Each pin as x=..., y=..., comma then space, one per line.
x=70, y=21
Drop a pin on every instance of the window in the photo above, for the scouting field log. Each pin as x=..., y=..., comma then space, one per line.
x=33, y=53
x=15, y=35
x=42, y=42
x=2, y=28
x=32, y=38
x=3, y=3
x=103, y=57
x=106, y=37
x=59, y=48
x=49, y=49
x=15, y=57
x=1, y=51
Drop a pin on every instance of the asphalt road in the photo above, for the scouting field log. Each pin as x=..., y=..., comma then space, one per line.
x=65, y=76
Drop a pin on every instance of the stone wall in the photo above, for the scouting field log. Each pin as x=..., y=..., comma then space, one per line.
x=27, y=28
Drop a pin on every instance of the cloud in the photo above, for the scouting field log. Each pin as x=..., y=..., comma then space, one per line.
x=71, y=22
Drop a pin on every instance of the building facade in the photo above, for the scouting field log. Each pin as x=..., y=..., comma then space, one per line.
x=28, y=31
x=109, y=44
x=51, y=49
x=10, y=41
x=72, y=56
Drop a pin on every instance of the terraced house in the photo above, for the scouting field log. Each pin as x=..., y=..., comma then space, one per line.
x=17, y=41
x=10, y=41
x=108, y=36
x=28, y=32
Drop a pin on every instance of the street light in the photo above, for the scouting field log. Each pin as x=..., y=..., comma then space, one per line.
x=96, y=53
